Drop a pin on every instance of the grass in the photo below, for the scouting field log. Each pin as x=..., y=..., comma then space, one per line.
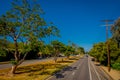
x=38, y=71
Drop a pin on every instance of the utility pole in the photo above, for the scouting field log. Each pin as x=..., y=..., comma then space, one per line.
x=107, y=44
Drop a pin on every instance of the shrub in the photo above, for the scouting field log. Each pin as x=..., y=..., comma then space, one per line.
x=116, y=66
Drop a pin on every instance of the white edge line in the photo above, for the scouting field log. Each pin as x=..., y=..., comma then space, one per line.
x=89, y=69
x=96, y=71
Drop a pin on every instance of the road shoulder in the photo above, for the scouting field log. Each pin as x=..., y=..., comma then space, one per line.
x=113, y=73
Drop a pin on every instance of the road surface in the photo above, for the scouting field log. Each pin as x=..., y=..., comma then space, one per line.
x=83, y=69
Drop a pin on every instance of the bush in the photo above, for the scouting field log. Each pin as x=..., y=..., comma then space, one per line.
x=116, y=66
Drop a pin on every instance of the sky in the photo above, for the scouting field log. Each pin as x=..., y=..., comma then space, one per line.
x=79, y=21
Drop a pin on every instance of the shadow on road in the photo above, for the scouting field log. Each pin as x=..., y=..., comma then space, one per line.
x=69, y=68
x=61, y=73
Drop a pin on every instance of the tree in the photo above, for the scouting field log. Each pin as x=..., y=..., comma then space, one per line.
x=115, y=29
x=3, y=47
x=23, y=23
x=69, y=50
x=99, y=52
x=80, y=50
x=48, y=50
x=57, y=47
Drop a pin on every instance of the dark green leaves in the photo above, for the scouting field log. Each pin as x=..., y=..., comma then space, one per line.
x=116, y=31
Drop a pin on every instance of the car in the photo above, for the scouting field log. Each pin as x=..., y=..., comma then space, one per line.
x=92, y=59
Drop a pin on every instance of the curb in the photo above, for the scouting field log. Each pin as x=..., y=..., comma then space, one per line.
x=106, y=73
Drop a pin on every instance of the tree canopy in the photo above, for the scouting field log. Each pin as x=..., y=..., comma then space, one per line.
x=115, y=29
x=23, y=23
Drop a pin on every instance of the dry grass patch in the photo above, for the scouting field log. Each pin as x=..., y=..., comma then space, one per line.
x=37, y=71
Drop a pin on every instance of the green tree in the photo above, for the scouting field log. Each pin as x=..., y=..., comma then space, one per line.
x=57, y=48
x=23, y=23
x=69, y=51
x=3, y=47
x=80, y=50
x=115, y=29
x=99, y=51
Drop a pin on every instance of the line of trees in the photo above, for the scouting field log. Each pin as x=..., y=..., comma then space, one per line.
x=99, y=50
x=22, y=34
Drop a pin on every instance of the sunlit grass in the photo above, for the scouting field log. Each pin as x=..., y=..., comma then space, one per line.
x=38, y=71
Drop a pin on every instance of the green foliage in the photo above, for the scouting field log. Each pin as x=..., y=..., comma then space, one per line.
x=99, y=51
x=69, y=51
x=57, y=45
x=47, y=49
x=2, y=53
x=80, y=50
x=116, y=31
x=13, y=62
x=116, y=66
x=3, y=47
x=25, y=26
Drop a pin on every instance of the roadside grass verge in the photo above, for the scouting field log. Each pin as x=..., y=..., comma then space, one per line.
x=38, y=71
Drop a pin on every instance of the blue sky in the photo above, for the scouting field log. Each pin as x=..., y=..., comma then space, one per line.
x=78, y=20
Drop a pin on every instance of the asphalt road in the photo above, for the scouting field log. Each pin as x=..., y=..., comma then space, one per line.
x=83, y=69
x=27, y=62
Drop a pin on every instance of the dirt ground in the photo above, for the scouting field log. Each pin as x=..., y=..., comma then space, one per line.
x=113, y=73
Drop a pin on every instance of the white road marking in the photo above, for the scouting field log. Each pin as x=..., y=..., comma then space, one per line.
x=78, y=66
x=96, y=71
x=73, y=73
x=89, y=69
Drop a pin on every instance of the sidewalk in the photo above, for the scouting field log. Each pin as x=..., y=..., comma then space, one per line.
x=113, y=73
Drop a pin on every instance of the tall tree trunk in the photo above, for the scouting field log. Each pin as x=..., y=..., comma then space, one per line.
x=55, y=56
x=14, y=67
x=55, y=59
x=68, y=57
x=16, y=55
x=118, y=44
x=17, y=58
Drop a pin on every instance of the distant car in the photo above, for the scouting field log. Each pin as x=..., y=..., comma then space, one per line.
x=86, y=55
x=92, y=59
x=60, y=55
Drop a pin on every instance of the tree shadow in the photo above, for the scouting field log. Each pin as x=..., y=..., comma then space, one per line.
x=73, y=59
x=69, y=68
x=61, y=74
x=64, y=61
